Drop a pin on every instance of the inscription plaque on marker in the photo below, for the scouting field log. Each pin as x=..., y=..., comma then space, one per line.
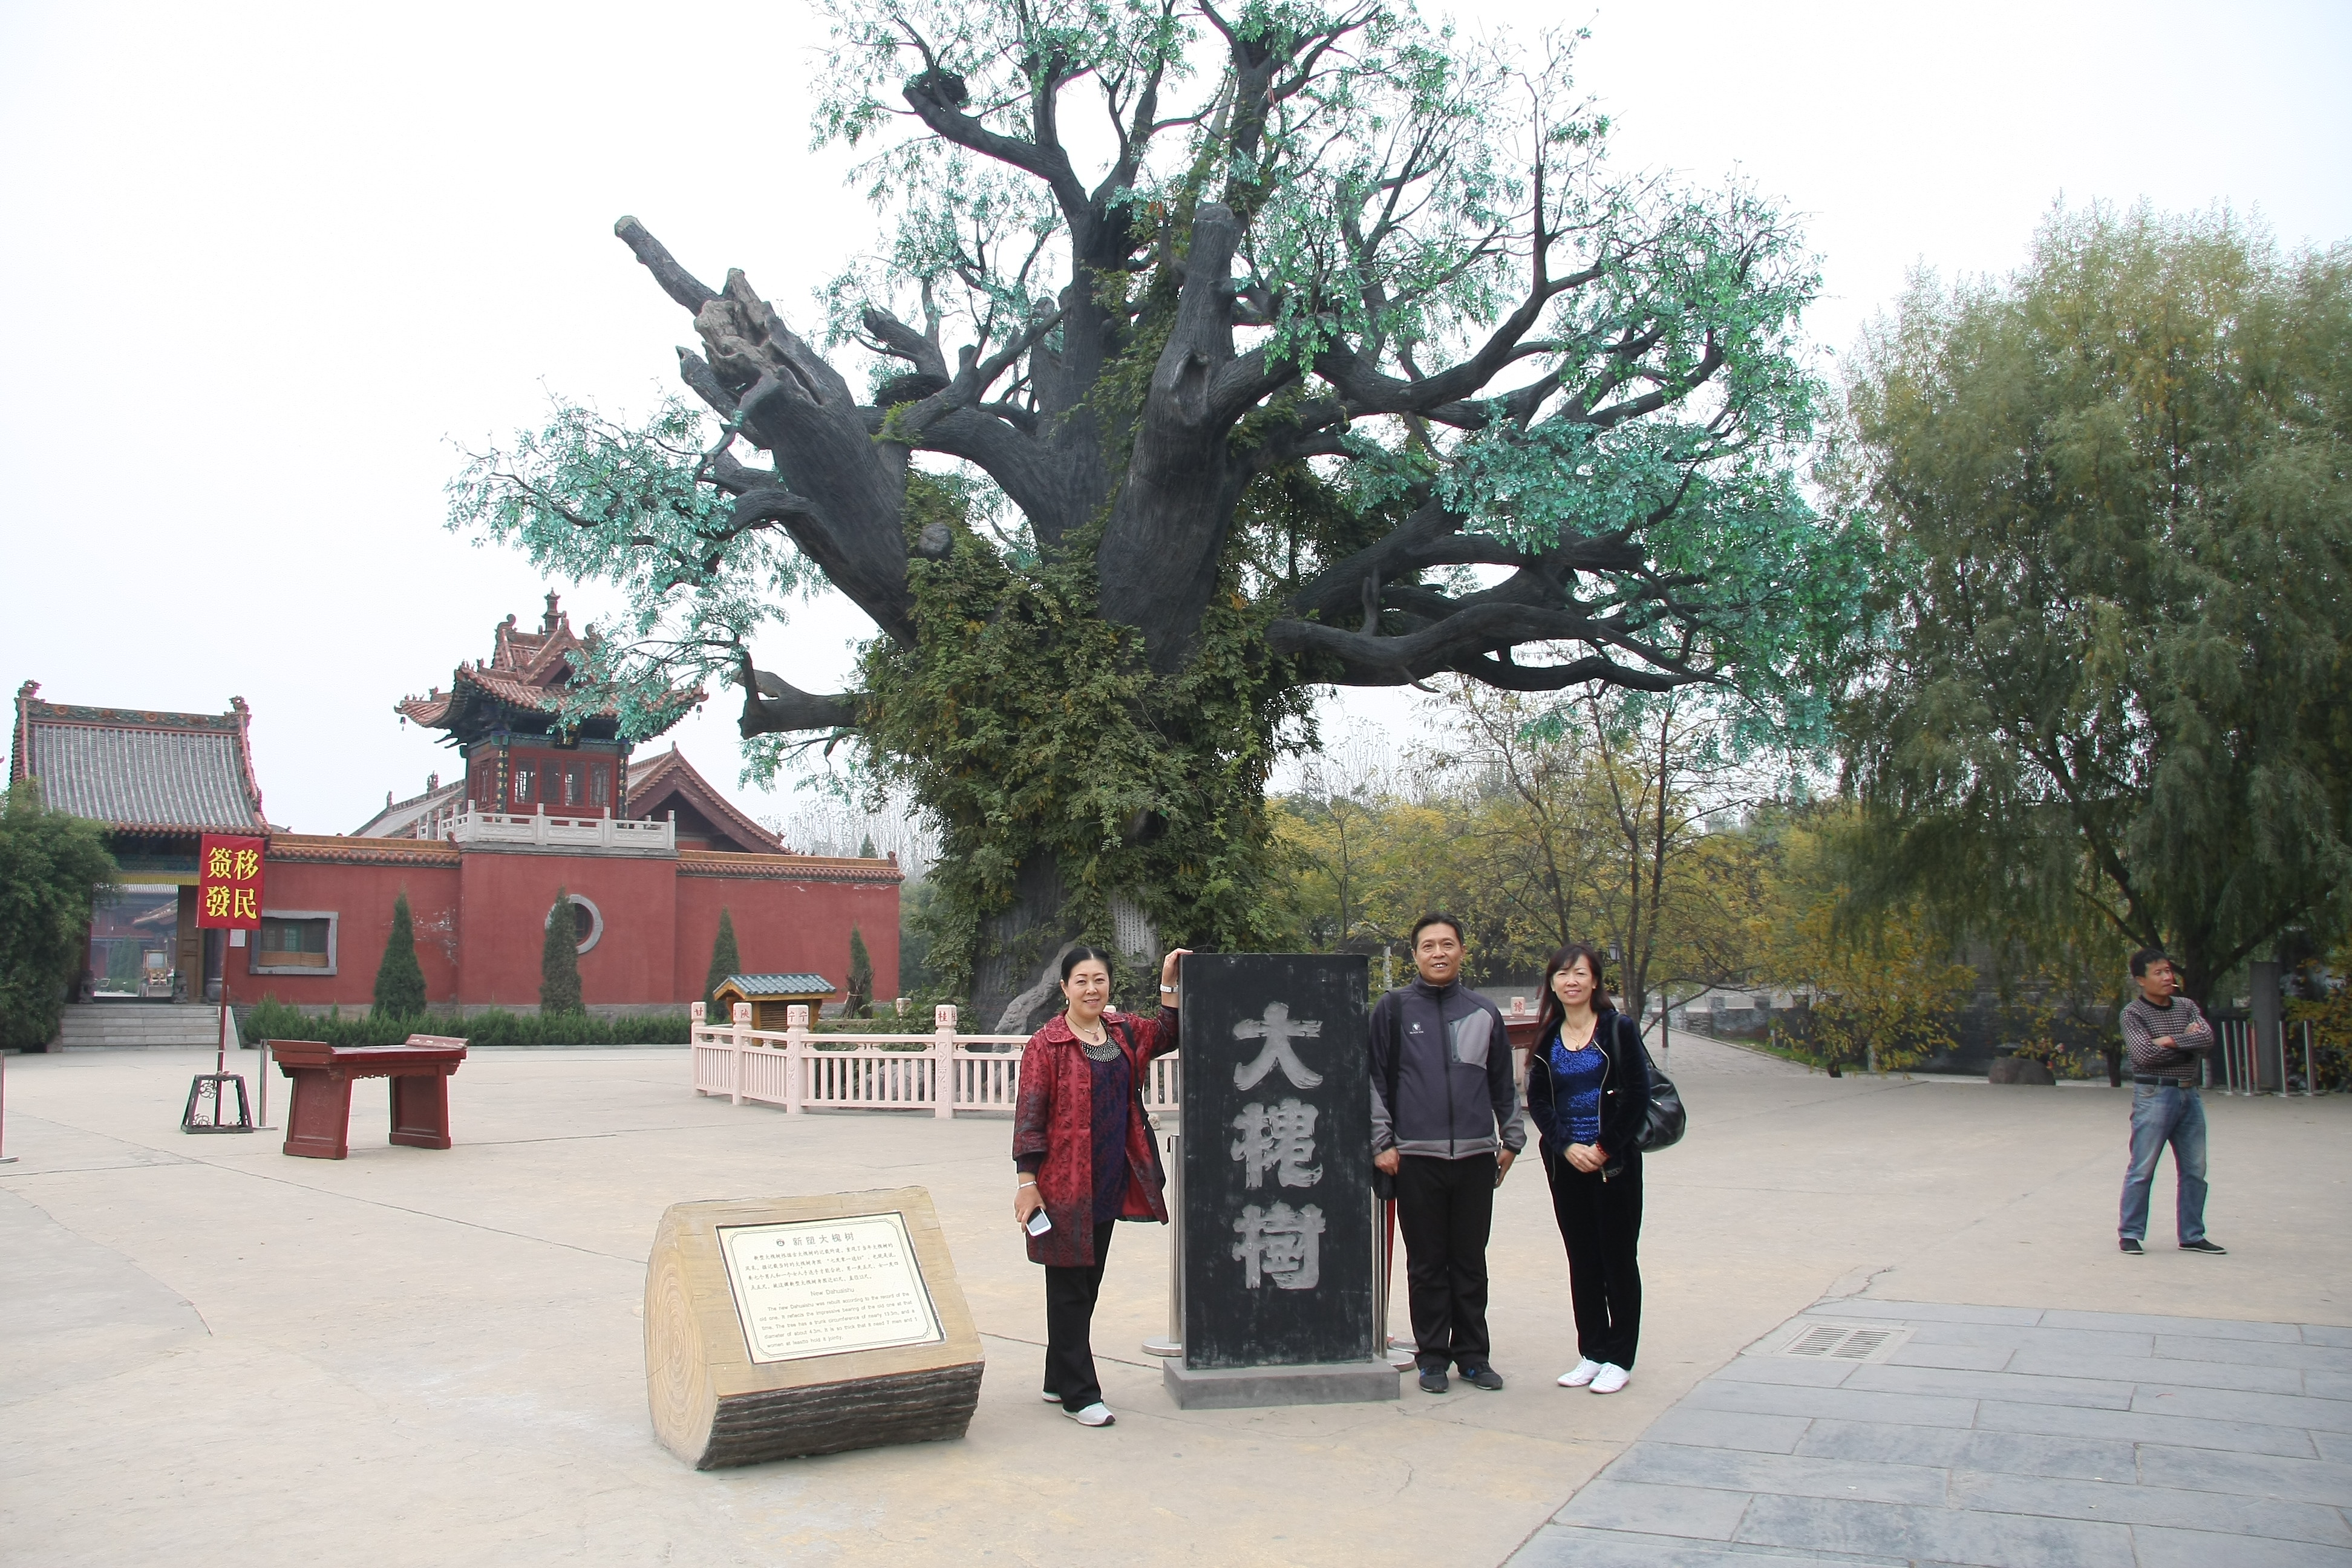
x=777, y=1327
x=827, y=1287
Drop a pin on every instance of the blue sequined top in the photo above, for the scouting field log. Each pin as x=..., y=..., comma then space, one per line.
x=1577, y=1078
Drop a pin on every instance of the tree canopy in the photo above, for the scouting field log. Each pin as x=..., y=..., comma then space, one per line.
x=2119, y=508
x=1208, y=356
x=53, y=866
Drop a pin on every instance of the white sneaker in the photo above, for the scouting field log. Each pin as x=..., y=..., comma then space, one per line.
x=1609, y=1378
x=1094, y=1414
x=1050, y=1397
x=1583, y=1372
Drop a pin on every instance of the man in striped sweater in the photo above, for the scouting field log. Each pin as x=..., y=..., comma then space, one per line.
x=2166, y=1037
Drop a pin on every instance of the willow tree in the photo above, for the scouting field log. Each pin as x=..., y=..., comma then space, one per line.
x=2116, y=485
x=1205, y=358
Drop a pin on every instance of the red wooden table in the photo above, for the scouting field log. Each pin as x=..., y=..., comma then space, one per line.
x=318, y=1126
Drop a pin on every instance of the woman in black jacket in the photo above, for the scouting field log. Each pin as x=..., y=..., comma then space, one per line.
x=1589, y=1092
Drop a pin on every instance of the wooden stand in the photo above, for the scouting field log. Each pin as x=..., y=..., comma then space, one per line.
x=715, y=1404
x=318, y=1124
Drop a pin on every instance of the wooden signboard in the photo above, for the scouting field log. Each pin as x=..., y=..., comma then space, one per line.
x=1279, y=1256
x=778, y=1327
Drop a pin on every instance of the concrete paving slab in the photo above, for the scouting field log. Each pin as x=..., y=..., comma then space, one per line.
x=1825, y=1527
x=1952, y=1448
x=2161, y=1548
x=2325, y=1482
x=1874, y=1481
x=1641, y=1508
x=2037, y=1477
x=1728, y=1430
x=2138, y=1427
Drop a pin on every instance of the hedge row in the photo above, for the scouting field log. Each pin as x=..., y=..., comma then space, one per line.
x=270, y=1020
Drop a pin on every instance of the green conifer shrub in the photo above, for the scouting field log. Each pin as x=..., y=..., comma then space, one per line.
x=400, y=979
x=559, y=961
x=861, y=975
x=724, y=962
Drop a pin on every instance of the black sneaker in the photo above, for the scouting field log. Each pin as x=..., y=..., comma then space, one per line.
x=2130, y=1245
x=2205, y=1244
x=1484, y=1377
x=1432, y=1381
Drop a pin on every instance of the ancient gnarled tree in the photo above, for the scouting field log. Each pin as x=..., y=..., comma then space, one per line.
x=1208, y=357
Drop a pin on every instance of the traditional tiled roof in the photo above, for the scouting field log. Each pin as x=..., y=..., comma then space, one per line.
x=140, y=770
x=324, y=849
x=788, y=867
x=409, y=818
x=769, y=988
x=530, y=670
x=669, y=774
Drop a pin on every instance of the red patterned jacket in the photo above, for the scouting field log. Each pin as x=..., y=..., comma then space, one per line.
x=1055, y=1117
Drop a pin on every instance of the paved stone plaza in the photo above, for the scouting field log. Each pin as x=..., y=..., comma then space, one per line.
x=218, y=1354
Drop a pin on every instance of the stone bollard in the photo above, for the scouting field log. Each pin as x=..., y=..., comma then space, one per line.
x=943, y=1032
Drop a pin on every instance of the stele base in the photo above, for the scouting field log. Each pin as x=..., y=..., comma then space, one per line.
x=714, y=1406
x=1240, y=1387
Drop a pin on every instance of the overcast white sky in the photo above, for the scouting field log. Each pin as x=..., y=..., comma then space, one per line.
x=263, y=263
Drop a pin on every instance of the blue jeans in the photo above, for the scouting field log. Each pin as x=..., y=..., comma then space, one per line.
x=2163, y=1114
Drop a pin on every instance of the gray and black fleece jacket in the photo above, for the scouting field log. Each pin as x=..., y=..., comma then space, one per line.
x=1441, y=1080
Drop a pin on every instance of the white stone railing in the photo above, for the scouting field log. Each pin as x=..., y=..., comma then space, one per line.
x=615, y=835
x=802, y=1070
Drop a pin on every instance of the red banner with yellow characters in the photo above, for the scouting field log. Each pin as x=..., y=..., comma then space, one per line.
x=228, y=882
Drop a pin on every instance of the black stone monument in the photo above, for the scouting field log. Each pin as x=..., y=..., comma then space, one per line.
x=1280, y=1257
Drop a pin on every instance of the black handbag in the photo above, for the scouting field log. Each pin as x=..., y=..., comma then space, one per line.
x=1667, y=1121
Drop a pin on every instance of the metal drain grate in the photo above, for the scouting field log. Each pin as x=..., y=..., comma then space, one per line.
x=1847, y=1341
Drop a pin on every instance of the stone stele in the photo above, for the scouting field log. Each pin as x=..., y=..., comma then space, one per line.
x=777, y=1327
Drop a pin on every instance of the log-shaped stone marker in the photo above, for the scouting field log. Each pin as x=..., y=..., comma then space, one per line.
x=777, y=1327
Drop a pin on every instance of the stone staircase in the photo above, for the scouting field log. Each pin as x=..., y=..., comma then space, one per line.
x=118, y=1025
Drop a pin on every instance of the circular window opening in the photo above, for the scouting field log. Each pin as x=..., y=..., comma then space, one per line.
x=587, y=921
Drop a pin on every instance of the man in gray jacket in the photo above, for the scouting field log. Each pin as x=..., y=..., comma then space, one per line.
x=1446, y=1127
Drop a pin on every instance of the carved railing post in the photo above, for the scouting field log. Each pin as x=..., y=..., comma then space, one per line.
x=735, y=1039
x=943, y=1053
x=796, y=1022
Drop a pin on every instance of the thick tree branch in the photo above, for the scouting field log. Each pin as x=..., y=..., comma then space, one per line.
x=773, y=705
x=676, y=282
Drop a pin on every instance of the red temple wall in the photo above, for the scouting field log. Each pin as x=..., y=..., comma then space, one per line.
x=504, y=915
x=480, y=925
x=788, y=927
x=362, y=898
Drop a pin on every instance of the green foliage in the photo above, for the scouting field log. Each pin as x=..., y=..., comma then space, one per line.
x=53, y=867
x=400, y=979
x=1882, y=994
x=724, y=961
x=592, y=499
x=559, y=958
x=270, y=1020
x=2118, y=510
x=860, y=988
x=917, y=979
x=1025, y=721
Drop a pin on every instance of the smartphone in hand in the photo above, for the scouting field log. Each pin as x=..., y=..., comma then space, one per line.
x=1037, y=1224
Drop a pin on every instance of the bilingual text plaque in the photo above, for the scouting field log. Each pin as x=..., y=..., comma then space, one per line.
x=827, y=1287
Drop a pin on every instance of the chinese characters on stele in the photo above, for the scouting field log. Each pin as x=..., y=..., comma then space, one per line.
x=1279, y=1244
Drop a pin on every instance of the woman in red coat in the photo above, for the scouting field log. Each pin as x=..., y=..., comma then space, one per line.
x=1086, y=1156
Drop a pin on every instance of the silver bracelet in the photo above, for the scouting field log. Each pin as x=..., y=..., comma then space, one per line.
x=1168, y=991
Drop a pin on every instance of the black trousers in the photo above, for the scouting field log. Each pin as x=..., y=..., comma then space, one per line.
x=1446, y=1208
x=1601, y=1222
x=1070, y=1296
